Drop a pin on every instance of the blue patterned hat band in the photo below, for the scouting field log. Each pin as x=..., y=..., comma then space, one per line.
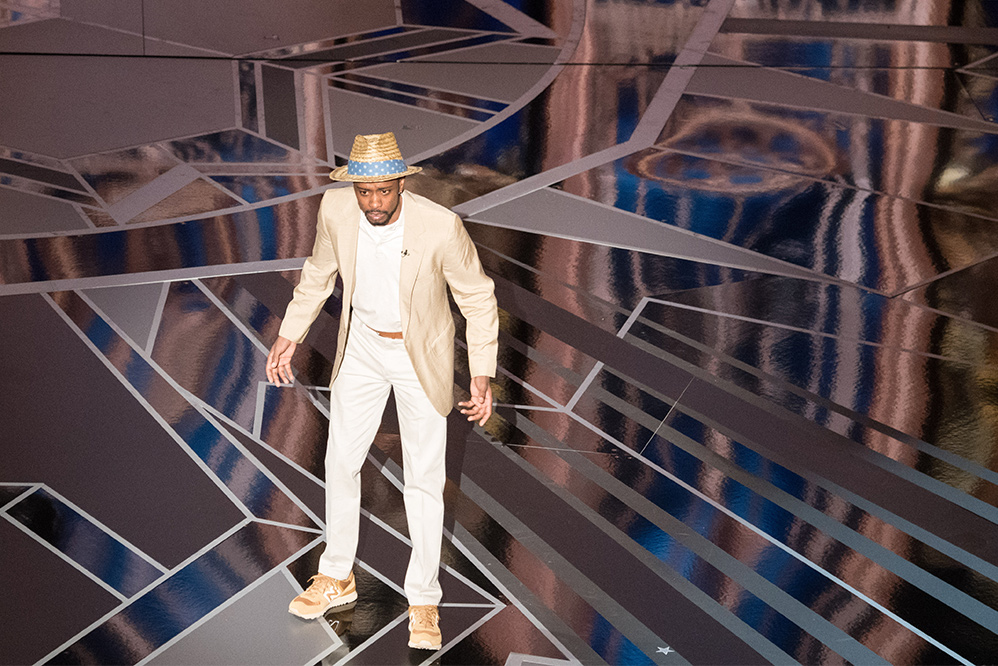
x=384, y=168
x=373, y=158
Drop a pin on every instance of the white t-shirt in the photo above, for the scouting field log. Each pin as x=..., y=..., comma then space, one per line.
x=379, y=262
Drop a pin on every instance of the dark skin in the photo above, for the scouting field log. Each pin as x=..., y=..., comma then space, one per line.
x=381, y=204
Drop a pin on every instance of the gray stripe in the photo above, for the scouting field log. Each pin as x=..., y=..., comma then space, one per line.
x=114, y=611
x=143, y=277
x=153, y=192
x=632, y=628
x=645, y=134
x=31, y=487
x=973, y=562
x=854, y=30
x=888, y=559
x=514, y=18
x=194, y=626
x=65, y=557
x=861, y=452
x=184, y=446
x=157, y=318
x=546, y=621
x=779, y=544
x=798, y=613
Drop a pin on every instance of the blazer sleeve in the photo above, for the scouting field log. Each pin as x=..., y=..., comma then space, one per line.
x=318, y=277
x=474, y=293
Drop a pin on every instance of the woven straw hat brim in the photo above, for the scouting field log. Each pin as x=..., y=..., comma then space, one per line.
x=340, y=173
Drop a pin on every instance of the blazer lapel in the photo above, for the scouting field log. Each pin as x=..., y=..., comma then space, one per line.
x=412, y=256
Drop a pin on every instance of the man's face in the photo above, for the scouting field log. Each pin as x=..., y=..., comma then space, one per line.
x=381, y=202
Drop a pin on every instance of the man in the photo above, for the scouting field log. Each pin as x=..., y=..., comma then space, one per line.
x=396, y=253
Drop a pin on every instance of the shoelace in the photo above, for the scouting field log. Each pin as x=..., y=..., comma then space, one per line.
x=424, y=615
x=324, y=585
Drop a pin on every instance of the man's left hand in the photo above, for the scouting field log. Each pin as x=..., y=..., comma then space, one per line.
x=479, y=408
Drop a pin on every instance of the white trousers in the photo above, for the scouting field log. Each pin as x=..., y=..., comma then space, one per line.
x=372, y=365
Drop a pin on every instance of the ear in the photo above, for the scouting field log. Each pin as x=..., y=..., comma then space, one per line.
x=401, y=183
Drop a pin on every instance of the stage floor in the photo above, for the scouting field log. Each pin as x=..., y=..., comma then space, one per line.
x=746, y=409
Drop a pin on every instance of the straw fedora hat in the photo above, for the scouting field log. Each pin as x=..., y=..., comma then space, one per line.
x=374, y=158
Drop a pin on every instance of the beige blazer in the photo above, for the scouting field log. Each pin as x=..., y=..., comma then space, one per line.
x=439, y=253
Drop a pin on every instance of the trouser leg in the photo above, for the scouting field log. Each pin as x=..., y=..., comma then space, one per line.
x=356, y=404
x=424, y=437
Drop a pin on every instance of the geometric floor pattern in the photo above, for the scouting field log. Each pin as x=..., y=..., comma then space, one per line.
x=744, y=255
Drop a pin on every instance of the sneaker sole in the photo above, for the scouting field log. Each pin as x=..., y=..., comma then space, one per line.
x=343, y=601
x=425, y=645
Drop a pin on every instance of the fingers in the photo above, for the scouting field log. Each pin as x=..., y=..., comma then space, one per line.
x=279, y=362
x=486, y=406
x=272, y=366
x=284, y=371
x=477, y=409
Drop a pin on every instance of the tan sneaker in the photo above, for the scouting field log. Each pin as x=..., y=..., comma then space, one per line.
x=323, y=593
x=424, y=629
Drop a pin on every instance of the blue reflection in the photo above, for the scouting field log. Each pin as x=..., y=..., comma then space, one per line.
x=450, y=14
x=84, y=542
x=230, y=146
x=613, y=646
x=186, y=596
x=226, y=461
x=254, y=189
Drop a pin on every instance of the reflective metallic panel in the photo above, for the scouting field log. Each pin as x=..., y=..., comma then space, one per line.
x=586, y=279
x=41, y=174
x=818, y=57
x=450, y=12
x=256, y=189
x=850, y=376
x=35, y=187
x=230, y=146
x=788, y=461
x=277, y=232
x=117, y=174
x=196, y=198
x=946, y=13
x=874, y=241
x=372, y=48
x=966, y=294
x=247, y=96
x=84, y=542
x=921, y=162
x=608, y=101
x=420, y=91
x=404, y=98
x=186, y=596
x=8, y=493
x=243, y=478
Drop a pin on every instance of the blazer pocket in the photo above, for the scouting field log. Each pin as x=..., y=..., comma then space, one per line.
x=442, y=342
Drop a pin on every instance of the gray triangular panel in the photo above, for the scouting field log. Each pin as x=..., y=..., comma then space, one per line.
x=132, y=308
x=724, y=77
x=563, y=215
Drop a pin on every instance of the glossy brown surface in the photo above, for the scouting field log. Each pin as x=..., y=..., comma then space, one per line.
x=745, y=258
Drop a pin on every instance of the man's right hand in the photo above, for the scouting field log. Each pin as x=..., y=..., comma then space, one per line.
x=279, y=361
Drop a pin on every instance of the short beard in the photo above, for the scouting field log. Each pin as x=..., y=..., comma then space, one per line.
x=388, y=217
